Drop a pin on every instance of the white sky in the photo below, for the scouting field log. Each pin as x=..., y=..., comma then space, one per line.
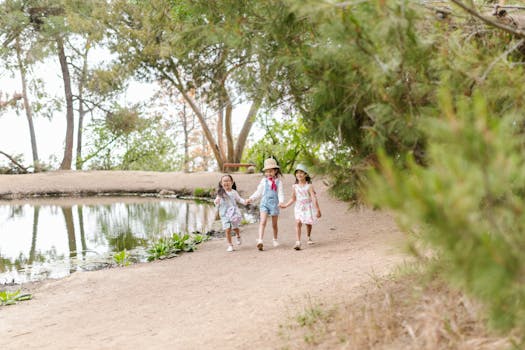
x=50, y=134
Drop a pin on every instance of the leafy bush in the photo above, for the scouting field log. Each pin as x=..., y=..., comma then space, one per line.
x=468, y=203
x=286, y=140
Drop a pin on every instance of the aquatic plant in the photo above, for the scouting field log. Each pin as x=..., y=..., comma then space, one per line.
x=203, y=192
x=122, y=258
x=169, y=247
x=10, y=298
x=160, y=249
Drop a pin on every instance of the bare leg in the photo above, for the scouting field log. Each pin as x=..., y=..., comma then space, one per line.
x=228, y=232
x=309, y=234
x=238, y=234
x=262, y=224
x=274, y=226
x=298, y=226
x=308, y=231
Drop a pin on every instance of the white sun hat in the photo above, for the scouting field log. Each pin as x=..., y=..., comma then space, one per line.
x=270, y=163
x=301, y=167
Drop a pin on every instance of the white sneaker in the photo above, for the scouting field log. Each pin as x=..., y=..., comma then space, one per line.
x=275, y=243
x=238, y=240
x=310, y=242
x=230, y=248
x=260, y=244
x=297, y=245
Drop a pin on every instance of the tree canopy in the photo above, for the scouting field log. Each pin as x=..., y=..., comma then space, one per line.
x=412, y=106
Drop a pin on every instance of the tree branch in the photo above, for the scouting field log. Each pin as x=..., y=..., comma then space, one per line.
x=502, y=56
x=510, y=30
x=17, y=96
x=18, y=165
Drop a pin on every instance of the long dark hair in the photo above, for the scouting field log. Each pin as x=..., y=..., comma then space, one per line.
x=307, y=178
x=221, y=192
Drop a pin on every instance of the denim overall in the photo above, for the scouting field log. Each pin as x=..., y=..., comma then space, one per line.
x=270, y=200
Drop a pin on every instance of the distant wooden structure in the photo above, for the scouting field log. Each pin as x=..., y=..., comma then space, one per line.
x=235, y=166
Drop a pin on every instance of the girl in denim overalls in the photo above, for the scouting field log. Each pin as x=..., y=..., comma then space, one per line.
x=270, y=189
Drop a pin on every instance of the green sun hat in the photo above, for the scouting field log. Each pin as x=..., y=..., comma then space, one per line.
x=301, y=167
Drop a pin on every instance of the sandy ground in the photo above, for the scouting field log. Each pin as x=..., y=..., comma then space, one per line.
x=210, y=299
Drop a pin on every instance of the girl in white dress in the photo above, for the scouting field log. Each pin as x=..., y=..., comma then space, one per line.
x=305, y=199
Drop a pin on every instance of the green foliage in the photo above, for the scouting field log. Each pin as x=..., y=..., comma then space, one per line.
x=169, y=247
x=122, y=258
x=468, y=203
x=360, y=76
x=160, y=250
x=286, y=140
x=198, y=238
x=10, y=298
x=123, y=121
x=203, y=192
x=132, y=144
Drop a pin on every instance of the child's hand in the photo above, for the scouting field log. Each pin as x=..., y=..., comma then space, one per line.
x=248, y=201
x=318, y=214
x=217, y=201
x=283, y=206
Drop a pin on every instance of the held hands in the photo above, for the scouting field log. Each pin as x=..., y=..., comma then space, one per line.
x=283, y=206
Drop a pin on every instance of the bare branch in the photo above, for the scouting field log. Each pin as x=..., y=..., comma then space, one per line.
x=17, y=96
x=510, y=30
x=500, y=57
x=13, y=160
x=516, y=7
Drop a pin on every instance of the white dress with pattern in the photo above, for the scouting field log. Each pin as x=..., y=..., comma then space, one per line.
x=304, y=208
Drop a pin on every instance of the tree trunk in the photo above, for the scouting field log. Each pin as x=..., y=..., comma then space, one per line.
x=245, y=130
x=27, y=106
x=81, y=112
x=186, y=132
x=70, y=122
x=220, y=131
x=228, y=129
x=207, y=132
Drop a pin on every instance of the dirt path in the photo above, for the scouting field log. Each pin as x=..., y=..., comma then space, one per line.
x=210, y=299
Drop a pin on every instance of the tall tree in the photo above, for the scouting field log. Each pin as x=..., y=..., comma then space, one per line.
x=19, y=44
x=97, y=79
x=202, y=49
x=27, y=105
x=61, y=22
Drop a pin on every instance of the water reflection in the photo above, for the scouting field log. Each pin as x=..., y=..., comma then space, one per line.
x=54, y=238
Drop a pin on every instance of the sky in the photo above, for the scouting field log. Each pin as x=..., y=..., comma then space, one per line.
x=50, y=134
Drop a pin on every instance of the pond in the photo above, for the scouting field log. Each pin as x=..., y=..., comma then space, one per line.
x=42, y=239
